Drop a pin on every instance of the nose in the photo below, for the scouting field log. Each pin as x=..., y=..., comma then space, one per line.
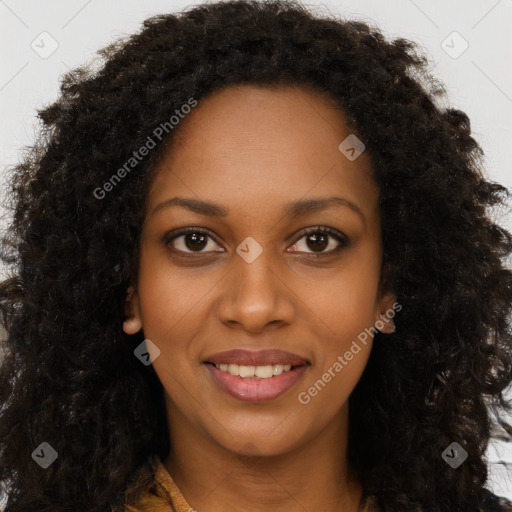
x=255, y=295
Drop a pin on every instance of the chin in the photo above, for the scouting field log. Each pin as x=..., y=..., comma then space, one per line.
x=257, y=442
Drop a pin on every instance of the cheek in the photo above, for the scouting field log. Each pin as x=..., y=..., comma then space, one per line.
x=346, y=310
x=346, y=304
x=175, y=305
x=334, y=378
x=167, y=296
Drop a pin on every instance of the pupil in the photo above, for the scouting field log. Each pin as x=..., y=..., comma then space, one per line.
x=319, y=244
x=198, y=241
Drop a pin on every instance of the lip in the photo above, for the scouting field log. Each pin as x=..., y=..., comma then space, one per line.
x=253, y=389
x=256, y=358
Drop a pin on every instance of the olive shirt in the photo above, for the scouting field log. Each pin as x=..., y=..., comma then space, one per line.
x=152, y=489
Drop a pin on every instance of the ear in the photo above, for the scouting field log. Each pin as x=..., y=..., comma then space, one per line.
x=388, y=306
x=132, y=322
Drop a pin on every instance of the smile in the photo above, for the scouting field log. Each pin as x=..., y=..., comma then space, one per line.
x=255, y=383
x=254, y=372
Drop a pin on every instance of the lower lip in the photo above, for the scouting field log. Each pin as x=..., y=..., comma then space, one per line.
x=256, y=390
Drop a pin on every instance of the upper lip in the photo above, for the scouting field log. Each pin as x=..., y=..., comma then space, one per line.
x=256, y=358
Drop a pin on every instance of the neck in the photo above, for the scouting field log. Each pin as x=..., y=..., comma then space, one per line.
x=312, y=476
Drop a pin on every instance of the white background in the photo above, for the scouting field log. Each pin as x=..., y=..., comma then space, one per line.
x=479, y=80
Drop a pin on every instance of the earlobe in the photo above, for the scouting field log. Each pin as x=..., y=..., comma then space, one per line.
x=132, y=322
x=385, y=322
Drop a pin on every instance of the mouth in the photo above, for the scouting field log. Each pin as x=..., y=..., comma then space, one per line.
x=255, y=383
x=267, y=371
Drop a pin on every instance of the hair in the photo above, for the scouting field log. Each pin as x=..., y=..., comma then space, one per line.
x=68, y=374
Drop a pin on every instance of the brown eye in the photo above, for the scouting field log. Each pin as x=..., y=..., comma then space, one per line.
x=318, y=242
x=318, y=239
x=195, y=241
x=191, y=240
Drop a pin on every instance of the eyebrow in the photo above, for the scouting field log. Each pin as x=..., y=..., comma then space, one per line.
x=292, y=210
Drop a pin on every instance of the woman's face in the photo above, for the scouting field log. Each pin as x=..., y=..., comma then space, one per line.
x=248, y=277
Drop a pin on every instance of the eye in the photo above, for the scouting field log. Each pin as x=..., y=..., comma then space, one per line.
x=191, y=239
x=319, y=238
x=199, y=240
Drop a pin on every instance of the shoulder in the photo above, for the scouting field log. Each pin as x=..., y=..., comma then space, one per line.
x=141, y=485
x=152, y=489
x=488, y=503
x=493, y=503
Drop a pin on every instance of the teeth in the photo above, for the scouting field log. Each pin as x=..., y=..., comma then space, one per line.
x=258, y=372
x=247, y=371
x=264, y=372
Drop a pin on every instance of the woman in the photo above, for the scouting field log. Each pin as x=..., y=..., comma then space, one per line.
x=253, y=267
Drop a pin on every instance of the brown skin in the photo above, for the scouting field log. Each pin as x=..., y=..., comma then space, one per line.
x=252, y=150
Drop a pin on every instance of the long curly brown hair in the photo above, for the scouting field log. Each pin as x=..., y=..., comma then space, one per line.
x=69, y=376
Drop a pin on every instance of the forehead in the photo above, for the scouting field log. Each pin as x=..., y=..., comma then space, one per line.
x=247, y=112
x=258, y=141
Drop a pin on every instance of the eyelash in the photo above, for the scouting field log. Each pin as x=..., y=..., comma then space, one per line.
x=338, y=236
